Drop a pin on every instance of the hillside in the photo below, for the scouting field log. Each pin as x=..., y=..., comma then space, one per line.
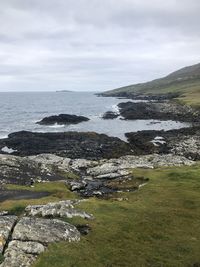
x=183, y=84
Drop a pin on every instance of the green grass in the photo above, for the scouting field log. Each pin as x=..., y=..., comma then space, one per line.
x=188, y=89
x=157, y=226
x=58, y=191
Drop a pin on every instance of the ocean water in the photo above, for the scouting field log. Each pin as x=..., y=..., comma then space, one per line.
x=20, y=111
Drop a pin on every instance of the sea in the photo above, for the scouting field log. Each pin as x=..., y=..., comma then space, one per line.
x=21, y=110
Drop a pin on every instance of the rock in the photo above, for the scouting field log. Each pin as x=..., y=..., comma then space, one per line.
x=24, y=170
x=158, y=111
x=183, y=142
x=82, y=164
x=58, y=209
x=62, y=119
x=76, y=185
x=3, y=212
x=84, y=229
x=87, y=145
x=109, y=115
x=15, y=258
x=139, y=96
x=44, y=230
x=27, y=247
x=6, y=225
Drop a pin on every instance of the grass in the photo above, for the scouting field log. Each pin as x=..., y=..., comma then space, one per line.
x=157, y=226
x=57, y=190
x=188, y=90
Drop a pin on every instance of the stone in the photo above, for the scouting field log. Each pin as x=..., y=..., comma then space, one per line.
x=58, y=209
x=109, y=115
x=44, y=230
x=21, y=253
x=62, y=119
x=6, y=225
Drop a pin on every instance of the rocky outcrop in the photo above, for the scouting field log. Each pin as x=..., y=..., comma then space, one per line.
x=106, y=176
x=22, y=254
x=183, y=142
x=6, y=225
x=59, y=209
x=26, y=170
x=87, y=145
x=44, y=230
x=23, y=238
x=109, y=115
x=62, y=119
x=158, y=111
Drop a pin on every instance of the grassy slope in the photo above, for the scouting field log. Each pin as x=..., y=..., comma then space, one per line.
x=157, y=226
x=188, y=88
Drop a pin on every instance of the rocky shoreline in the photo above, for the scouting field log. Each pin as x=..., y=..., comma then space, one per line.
x=89, y=165
x=158, y=111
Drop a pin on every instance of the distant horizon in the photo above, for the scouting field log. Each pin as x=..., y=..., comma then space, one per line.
x=92, y=45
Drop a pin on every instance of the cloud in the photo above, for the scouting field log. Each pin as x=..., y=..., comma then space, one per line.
x=94, y=45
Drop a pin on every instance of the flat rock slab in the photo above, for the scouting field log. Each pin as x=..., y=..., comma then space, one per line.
x=44, y=230
x=6, y=225
x=58, y=209
x=21, y=254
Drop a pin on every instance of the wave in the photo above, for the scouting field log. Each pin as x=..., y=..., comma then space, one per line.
x=115, y=108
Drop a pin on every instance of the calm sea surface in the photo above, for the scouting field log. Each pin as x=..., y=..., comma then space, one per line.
x=21, y=111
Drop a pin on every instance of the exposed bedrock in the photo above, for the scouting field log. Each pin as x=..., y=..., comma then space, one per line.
x=184, y=142
x=89, y=145
x=158, y=111
x=62, y=119
x=23, y=238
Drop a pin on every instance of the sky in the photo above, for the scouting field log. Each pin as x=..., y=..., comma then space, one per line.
x=94, y=45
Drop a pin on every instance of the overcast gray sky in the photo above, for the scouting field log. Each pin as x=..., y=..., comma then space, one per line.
x=94, y=44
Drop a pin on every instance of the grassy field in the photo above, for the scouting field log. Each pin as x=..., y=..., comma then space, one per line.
x=157, y=226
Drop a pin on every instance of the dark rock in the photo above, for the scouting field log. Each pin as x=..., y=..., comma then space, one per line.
x=158, y=111
x=183, y=142
x=109, y=115
x=87, y=145
x=135, y=96
x=62, y=119
x=84, y=229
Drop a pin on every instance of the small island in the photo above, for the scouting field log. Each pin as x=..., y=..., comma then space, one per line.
x=62, y=119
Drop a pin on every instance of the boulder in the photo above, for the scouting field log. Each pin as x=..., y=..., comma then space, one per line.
x=44, y=230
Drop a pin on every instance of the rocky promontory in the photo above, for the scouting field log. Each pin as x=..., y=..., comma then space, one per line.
x=62, y=119
x=164, y=110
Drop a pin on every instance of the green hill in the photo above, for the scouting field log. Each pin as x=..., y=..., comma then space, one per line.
x=183, y=84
